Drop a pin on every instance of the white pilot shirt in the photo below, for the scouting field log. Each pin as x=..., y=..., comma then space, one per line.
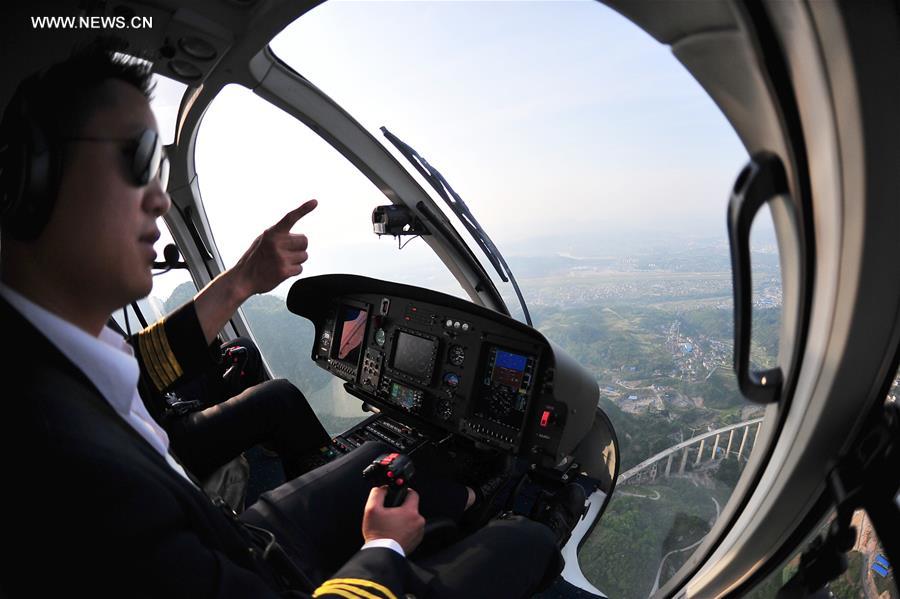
x=108, y=361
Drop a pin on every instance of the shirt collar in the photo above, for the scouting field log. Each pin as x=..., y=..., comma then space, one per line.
x=107, y=360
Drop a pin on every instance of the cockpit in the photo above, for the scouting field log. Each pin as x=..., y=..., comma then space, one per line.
x=646, y=247
x=445, y=364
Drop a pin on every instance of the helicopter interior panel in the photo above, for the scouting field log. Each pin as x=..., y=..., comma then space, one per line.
x=438, y=365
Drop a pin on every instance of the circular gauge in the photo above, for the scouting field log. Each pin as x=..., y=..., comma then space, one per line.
x=380, y=337
x=457, y=355
x=501, y=400
x=451, y=379
x=444, y=409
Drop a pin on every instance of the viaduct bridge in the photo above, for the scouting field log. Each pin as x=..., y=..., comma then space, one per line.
x=650, y=468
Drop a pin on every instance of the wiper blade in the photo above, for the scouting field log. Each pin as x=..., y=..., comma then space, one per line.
x=461, y=210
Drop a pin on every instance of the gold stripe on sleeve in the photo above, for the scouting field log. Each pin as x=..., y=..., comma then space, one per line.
x=170, y=355
x=352, y=589
x=322, y=590
x=149, y=358
x=363, y=583
x=157, y=334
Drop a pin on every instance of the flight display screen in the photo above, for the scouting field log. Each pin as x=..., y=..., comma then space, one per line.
x=406, y=398
x=414, y=355
x=506, y=386
x=509, y=369
x=351, y=328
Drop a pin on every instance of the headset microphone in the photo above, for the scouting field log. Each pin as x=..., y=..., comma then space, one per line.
x=172, y=259
x=172, y=256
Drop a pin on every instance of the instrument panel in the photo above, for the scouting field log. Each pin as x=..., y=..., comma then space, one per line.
x=442, y=361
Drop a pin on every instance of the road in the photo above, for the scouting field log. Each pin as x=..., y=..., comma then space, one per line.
x=650, y=497
x=662, y=562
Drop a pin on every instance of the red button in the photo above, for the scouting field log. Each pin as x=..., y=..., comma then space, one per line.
x=545, y=418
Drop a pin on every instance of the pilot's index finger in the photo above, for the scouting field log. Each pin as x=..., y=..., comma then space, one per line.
x=291, y=218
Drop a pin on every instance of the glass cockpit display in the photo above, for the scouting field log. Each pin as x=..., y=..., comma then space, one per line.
x=507, y=379
x=407, y=398
x=350, y=331
x=414, y=356
x=509, y=369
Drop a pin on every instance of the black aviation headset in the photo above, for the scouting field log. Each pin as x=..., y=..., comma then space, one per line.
x=30, y=165
x=31, y=159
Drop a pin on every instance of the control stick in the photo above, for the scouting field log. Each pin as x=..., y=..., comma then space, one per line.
x=394, y=470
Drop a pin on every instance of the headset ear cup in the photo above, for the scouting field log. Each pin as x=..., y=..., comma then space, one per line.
x=13, y=163
x=38, y=200
x=30, y=168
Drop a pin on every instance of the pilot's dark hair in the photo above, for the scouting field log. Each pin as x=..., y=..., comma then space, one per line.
x=47, y=106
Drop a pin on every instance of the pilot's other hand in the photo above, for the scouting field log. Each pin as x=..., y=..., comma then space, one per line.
x=275, y=255
x=403, y=523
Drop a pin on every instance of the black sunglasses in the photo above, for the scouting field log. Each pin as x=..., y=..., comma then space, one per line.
x=148, y=157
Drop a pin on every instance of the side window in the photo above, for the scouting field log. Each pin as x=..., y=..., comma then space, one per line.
x=255, y=163
x=868, y=574
x=170, y=290
x=665, y=366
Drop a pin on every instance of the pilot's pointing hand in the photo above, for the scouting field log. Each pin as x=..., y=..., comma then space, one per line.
x=276, y=254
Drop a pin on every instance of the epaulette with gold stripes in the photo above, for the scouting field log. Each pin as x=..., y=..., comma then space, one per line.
x=354, y=588
x=174, y=347
x=159, y=359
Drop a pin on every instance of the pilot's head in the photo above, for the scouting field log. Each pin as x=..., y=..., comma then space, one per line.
x=80, y=187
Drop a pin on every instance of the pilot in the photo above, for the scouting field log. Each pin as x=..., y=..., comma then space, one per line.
x=211, y=419
x=95, y=501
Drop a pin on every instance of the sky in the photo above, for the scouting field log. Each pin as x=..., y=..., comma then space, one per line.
x=564, y=108
x=555, y=121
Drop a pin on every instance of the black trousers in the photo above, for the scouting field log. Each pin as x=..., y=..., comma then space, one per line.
x=318, y=518
x=273, y=412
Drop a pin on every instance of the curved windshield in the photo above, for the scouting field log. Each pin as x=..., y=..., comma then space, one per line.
x=255, y=163
x=601, y=170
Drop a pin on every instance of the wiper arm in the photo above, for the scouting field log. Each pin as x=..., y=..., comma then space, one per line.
x=459, y=208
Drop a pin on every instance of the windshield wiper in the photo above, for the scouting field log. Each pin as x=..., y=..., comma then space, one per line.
x=462, y=211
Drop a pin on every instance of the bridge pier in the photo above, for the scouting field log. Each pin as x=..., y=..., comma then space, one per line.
x=743, y=442
x=700, y=453
x=715, y=448
x=684, y=457
x=669, y=464
x=730, y=439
